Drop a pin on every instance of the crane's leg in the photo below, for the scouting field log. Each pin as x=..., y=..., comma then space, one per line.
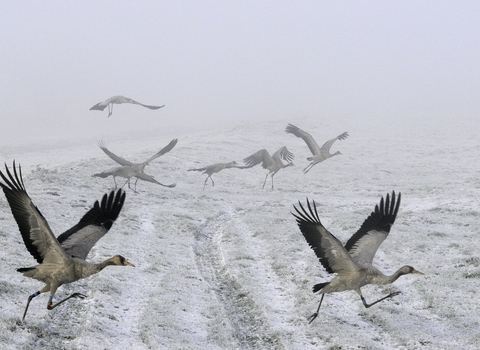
x=314, y=316
x=205, y=183
x=308, y=167
x=264, y=182
x=130, y=187
x=213, y=183
x=135, y=190
x=74, y=295
x=379, y=300
x=28, y=302
x=43, y=290
x=110, y=109
x=126, y=183
x=115, y=182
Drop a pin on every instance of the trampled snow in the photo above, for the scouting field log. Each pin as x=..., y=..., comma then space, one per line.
x=227, y=267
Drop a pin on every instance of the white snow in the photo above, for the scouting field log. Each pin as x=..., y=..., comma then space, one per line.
x=227, y=268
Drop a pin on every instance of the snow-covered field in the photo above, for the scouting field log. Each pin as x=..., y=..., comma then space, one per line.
x=227, y=268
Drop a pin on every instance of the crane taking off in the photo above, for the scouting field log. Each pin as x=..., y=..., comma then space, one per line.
x=60, y=260
x=352, y=263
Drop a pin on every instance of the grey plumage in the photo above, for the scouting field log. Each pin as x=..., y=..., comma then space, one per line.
x=352, y=263
x=109, y=102
x=272, y=163
x=214, y=168
x=129, y=169
x=60, y=261
x=319, y=153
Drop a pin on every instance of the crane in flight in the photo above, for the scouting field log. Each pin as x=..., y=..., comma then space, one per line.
x=319, y=153
x=109, y=102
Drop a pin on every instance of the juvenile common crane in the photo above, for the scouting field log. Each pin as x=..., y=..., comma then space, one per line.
x=118, y=100
x=319, y=153
x=60, y=260
x=129, y=169
x=214, y=168
x=352, y=263
x=272, y=163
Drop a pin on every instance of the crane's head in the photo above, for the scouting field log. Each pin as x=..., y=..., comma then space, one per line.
x=119, y=261
x=408, y=269
x=231, y=164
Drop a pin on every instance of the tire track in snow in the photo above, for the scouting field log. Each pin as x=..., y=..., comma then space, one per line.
x=249, y=325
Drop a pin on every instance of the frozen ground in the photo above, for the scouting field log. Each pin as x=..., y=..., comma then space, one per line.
x=227, y=268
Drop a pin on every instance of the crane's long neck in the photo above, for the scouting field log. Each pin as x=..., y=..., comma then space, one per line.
x=230, y=165
x=87, y=269
x=393, y=277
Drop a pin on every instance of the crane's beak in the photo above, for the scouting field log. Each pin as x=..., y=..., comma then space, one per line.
x=128, y=263
x=416, y=271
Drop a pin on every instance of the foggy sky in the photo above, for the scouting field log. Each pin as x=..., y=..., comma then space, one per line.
x=221, y=62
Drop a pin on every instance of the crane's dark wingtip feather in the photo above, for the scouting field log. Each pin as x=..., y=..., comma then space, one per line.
x=310, y=225
x=103, y=213
x=21, y=206
x=381, y=219
x=307, y=217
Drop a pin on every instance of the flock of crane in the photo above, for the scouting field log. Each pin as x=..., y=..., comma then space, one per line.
x=62, y=259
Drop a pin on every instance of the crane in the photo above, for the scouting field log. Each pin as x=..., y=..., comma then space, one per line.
x=129, y=169
x=214, y=168
x=118, y=100
x=60, y=260
x=272, y=163
x=128, y=172
x=319, y=153
x=353, y=262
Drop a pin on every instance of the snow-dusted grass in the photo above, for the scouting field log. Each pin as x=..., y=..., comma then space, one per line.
x=227, y=268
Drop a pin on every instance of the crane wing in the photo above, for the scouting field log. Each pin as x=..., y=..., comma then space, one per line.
x=146, y=177
x=283, y=153
x=36, y=232
x=164, y=150
x=258, y=157
x=99, y=107
x=329, y=250
x=112, y=155
x=363, y=245
x=327, y=145
x=305, y=136
x=129, y=100
x=79, y=240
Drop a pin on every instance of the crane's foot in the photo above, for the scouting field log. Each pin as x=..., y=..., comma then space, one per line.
x=386, y=297
x=393, y=294
x=311, y=318
x=74, y=295
x=78, y=295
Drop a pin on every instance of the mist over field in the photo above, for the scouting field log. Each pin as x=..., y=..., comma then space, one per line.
x=227, y=267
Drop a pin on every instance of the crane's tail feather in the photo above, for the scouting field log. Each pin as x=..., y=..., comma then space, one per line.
x=319, y=286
